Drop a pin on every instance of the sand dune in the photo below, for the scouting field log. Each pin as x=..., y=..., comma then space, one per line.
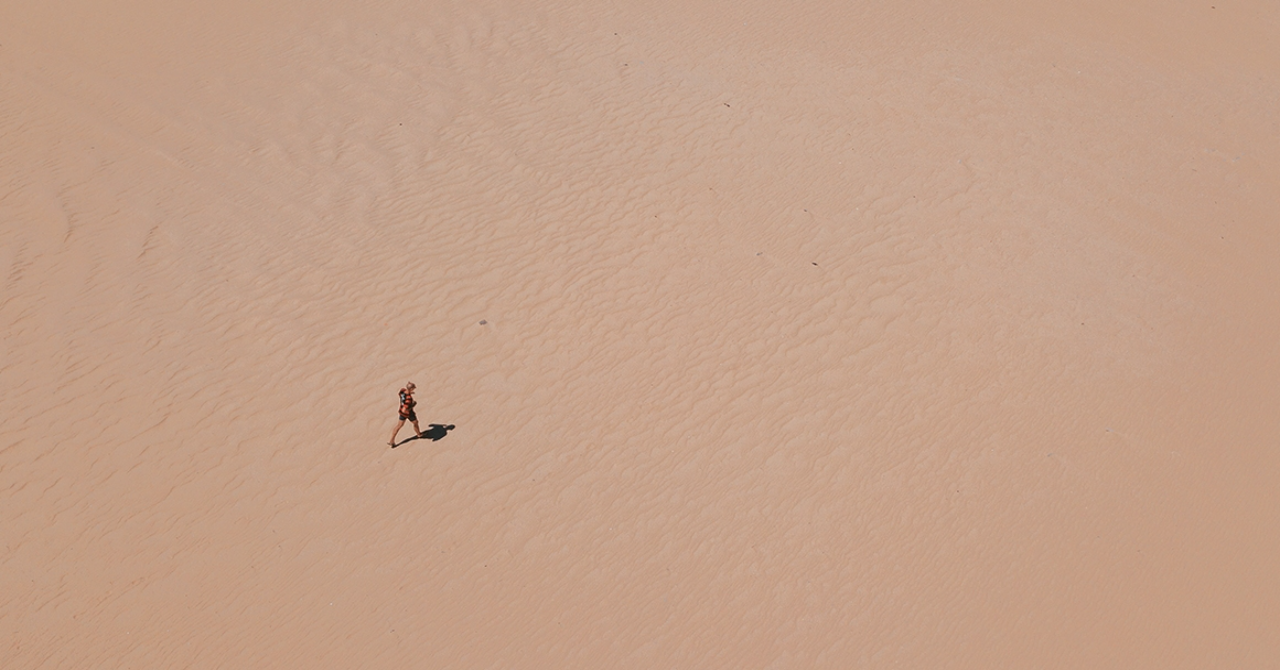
x=825, y=336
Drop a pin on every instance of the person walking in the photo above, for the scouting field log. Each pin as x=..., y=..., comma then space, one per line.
x=406, y=412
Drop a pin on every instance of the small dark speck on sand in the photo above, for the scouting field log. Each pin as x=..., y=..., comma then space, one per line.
x=815, y=265
x=483, y=322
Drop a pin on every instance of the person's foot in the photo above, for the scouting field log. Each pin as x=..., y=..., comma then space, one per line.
x=420, y=436
x=392, y=443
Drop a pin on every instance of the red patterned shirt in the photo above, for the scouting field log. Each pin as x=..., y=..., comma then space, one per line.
x=406, y=402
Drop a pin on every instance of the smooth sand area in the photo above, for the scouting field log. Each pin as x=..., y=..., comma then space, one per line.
x=812, y=334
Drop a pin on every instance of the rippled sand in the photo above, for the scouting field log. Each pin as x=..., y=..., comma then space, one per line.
x=774, y=335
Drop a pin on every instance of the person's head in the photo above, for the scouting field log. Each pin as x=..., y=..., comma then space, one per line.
x=410, y=387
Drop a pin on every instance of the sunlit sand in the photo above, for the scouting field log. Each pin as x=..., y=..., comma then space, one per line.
x=746, y=335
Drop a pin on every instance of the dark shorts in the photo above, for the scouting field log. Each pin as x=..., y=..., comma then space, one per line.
x=411, y=416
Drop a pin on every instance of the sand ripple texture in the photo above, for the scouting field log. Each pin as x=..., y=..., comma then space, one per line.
x=840, y=337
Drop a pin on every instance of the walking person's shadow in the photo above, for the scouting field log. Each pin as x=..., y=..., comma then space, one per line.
x=435, y=432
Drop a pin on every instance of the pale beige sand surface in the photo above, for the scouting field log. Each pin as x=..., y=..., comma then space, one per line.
x=776, y=335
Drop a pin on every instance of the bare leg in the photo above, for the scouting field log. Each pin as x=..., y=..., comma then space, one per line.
x=416, y=429
x=393, y=433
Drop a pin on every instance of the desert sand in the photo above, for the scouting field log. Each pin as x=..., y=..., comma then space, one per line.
x=776, y=335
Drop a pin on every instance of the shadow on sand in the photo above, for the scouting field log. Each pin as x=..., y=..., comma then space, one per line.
x=435, y=432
